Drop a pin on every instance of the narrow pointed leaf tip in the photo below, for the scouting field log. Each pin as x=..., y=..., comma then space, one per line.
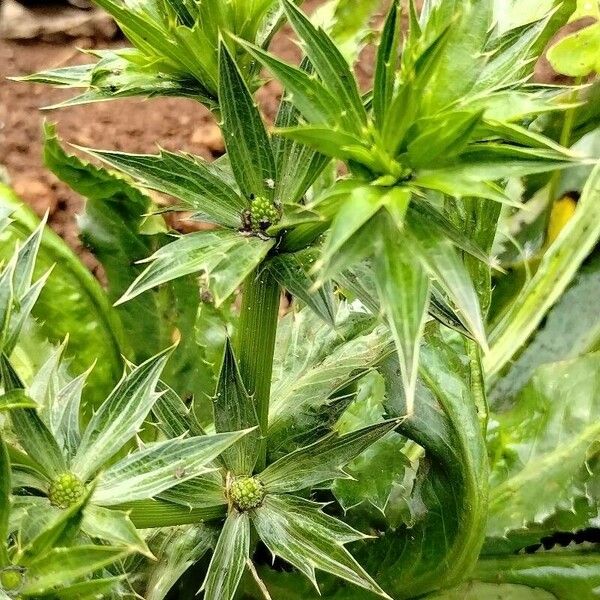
x=322, y=461
x=299, y=532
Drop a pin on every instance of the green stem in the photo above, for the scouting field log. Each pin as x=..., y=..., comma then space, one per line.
x=565, y=142
x=478, y=383
x=255, y=346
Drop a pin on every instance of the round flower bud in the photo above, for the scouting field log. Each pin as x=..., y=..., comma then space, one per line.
x=246, y=493
x=66, y=490
x=12, y=578
x=263, y=214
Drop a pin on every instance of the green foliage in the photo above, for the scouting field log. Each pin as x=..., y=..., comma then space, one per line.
x=350, y=438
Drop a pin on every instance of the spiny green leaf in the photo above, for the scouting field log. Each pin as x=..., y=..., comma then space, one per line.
x=571, y=329
x=95, y=330
x=387, y=62
x=119, y=417
x=441, y=138
x=119, y=74
x=146, y=514
x=179, y=550
x=16, y=399
x=355, y=211
x=298, y=166
x=550, y=435
x=199, y=186
x=322, y=461
x=160, y=466
x=224, y=258
x=229, y=558
x=174, y=418
x=296, y=530
x=234, y=409
x=330, y=65
x=58, y=533
x=200, y=492
x=292, y=273
x=445, y=542
x=114, y=527
x=314, y=362
x=336, y=143
x=39, y=443
x=403, y=290
x=564, y=575
x=248, y=145
x=310, y=97
x=441, y=260
x=87, y=590
x=76, y=562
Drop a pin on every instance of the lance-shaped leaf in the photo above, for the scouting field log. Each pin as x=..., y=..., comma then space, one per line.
x=387, y=63
x=92, y=325
x=322, y=461
x=25, y=261
x=202, y=492
x=119, y=74
x=39, y=443
x=5, y=491
x=224, y=258
x=441, y=260
x=162, y=465
x=428, y=216
x=292, y=271
x=120, y=416
x=403, y=289
x=75, y=562
x=58, y=533
x=69, y=403
x=333, y=142
x=441, y=138
x=310, y=97
x=175, y=419
x=8, y=376
x=178, y=551
x=298, y=166
x=296, y=530
x=199, y=186
x=557, y=269
x=248, y=145
x=356, y=210
x=88, y=590
x=331, y=66
x=229, y=558
x=313, y=365
x=234, y=409
x=114, y=527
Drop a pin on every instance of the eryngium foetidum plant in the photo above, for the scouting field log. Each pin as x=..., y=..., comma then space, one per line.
x=373, y=386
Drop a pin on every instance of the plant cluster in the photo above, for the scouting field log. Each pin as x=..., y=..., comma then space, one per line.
x=423, y=418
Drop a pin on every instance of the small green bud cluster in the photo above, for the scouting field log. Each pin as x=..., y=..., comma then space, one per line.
x=263, y=214
x=246, y=493
x=12, y=579
x=66, y=490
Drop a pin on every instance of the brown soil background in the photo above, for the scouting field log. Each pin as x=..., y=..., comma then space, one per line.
x=132, y=125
